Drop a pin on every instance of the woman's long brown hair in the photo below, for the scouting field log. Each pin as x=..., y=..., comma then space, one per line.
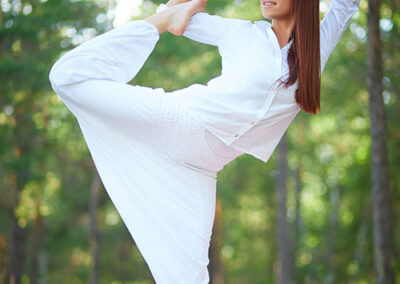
x=304, y=55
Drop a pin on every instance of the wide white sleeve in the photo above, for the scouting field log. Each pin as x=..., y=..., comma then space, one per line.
x=334, y=24
x=206, y=28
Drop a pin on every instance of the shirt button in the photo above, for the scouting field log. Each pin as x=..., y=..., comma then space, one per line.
x=236, y=135
x=251, y=122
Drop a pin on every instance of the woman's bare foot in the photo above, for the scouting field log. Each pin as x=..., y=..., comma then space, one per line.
x=176, y=18
x=175, y=2
x=181, y=13
x=200, y=3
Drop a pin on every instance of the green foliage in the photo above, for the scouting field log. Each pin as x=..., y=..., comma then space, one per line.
x=44, y=155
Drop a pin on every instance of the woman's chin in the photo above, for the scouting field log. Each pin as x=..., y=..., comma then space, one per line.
x=268, y=16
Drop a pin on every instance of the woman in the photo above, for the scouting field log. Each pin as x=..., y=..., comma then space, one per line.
x=158, y=152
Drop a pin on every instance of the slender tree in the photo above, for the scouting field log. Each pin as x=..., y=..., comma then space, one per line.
x=283, y=241
x=94, y=233
x=215, y=266
x=298, y=224
x=383, y=242
x=36, y=239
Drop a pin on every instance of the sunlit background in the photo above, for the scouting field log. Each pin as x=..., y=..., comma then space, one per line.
x=47, y=176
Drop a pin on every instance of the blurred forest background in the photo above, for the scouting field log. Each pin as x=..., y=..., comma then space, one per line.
x=322, y=210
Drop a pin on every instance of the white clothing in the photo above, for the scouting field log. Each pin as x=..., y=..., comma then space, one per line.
x=157, y=163
x=156, y=155
x=242, y=106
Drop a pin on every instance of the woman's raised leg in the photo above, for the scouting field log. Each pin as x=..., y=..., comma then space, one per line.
x=92, y=79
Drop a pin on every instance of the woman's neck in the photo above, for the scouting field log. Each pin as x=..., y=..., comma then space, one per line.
x=283, y=30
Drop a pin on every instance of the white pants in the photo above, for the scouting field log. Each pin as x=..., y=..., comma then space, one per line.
x=159, y=167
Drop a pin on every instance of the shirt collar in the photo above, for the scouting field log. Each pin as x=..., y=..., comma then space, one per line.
x=265, y=27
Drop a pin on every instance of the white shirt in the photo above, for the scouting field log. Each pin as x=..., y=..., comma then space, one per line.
x=242, y=106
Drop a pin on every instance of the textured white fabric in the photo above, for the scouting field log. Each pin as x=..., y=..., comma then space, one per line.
x=157, y=163
x=243, y=106
x=158, y=152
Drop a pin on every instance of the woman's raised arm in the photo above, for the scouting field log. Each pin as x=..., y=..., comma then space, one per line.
x=334, y=24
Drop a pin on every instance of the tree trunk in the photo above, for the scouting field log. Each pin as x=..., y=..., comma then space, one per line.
x=1, y=26
x=284, y=246
x=94, y=234
x=37, y=228
x=215, y=266
x=361, y=240
x=24, y=135
x=298, y=226
x=382, y=212
x=334, y=200
x=17, y=253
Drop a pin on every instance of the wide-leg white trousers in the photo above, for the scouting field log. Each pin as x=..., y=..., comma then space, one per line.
x=159, y=167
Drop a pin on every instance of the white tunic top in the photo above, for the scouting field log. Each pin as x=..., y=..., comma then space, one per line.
x=243, y=105
x=154, y=161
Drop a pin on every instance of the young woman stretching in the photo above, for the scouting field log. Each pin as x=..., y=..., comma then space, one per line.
x=158, y=152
